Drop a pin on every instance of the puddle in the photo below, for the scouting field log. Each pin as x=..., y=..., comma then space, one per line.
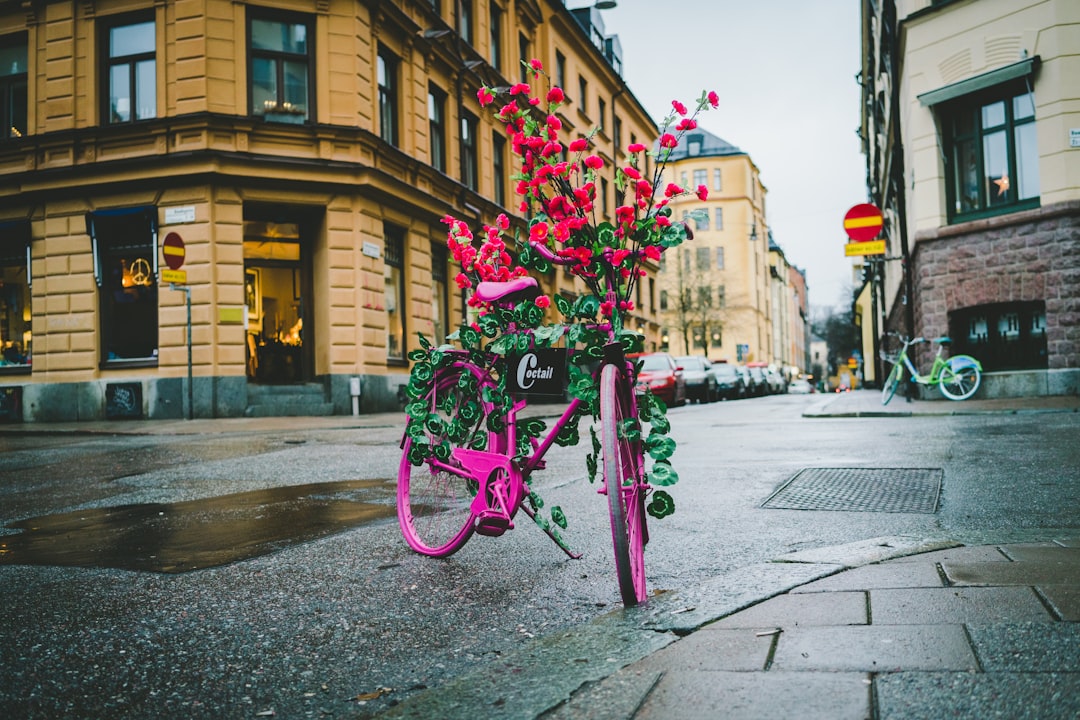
x=184, y=536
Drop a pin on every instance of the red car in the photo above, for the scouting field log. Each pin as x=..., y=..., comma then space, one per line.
x=660, y=374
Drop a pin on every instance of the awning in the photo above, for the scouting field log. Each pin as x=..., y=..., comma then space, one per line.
x=1016, y=70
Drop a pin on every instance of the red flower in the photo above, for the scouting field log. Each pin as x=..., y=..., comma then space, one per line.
x=520, y=89
x=631, y=172
x=594, y=162
x=635, y=148
x=714, y=99
x=536, y=65
x=556, y=96
x=652, y=252
x=679, y=107
x=485, y=97
x=579, y=145
x=542, y=301
x=702, y=192
x=686, y=124
x=672, y=189
x=668, y=141
x=554, y=123
x=624, y=214
x=538, y=233
x=463, y=281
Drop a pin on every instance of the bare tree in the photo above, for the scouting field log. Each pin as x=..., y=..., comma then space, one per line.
x=693, y=303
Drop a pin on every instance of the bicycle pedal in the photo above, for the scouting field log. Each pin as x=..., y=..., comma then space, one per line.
x=493, y=525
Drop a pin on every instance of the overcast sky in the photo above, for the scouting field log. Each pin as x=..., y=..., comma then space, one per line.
x=785, y=72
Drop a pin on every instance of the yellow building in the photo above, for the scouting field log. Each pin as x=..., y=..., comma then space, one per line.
x=970, y=120
x=715, y=295
x=298, y=154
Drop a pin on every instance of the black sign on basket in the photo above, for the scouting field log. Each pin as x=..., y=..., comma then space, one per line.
x=537, y=372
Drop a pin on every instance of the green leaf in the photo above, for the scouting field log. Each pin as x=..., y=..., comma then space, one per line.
x=663, y=474
x=558, y=517
x=469, y=411
x=660, y=447
x=523, y=341
x=423, y=341
x=502, y=345
x=563, y=306
x=423, y=372
x=536, y=500
x=442, y=451
x=470, y=338
x=434, y=424
x=661, y=505
x=587, y=306
x=418, y=354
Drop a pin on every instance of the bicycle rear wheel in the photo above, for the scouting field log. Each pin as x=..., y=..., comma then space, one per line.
x=434, y=497
x=623, y=467
x=891, y=382
x=960, y=378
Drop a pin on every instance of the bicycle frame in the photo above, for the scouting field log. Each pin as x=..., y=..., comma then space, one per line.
x=931, y=378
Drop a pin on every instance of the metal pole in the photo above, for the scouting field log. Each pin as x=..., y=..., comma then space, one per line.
x=190, y=393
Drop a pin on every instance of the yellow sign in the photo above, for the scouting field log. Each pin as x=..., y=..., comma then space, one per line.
x=177, y=277
x=873, y=247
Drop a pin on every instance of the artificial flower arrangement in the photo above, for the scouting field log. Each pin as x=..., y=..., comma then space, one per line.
x=558, y=186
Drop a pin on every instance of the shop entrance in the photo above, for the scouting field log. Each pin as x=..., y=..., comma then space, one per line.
x=277, y=281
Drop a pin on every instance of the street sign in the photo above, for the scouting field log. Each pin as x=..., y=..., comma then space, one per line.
x=863, y=222
x=874, y=247
x=173, y=250
x=176, y=277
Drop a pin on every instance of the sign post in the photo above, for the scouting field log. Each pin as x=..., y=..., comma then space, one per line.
x=862, y=224
x=172, y=247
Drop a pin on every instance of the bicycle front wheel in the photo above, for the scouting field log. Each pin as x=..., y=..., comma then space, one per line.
x=623, y=467
x=892, y=382
x=960, y=378
x=434, y=497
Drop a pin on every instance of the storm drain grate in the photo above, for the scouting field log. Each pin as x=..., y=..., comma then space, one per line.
x=899, y=490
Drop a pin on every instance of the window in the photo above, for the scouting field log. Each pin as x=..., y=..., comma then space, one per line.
x=394, y=277
x=721, y=297
x=993, y=161
x=523, y=53
x=469, y=155
x=701, y=219
x=601, y=111
x=388, y=100
x=652, y=294
x=13, y=107
x=717, y=179
x=663, y=300
x=436, y=6
x=583, y=95
x=124, y=246
x=701, y=177
x=15, y=317
x=703, y=254
x=704, y=297
x=1003, y=336
x=604, y=207
x=465, y=20
x=437, y=127
x=719, y=258
x=560, y=70
x=616, y=129
x=495, y=49
x=281, y=65
x=683, y=178
x=440, y=293
x=498, y=159
x=686, y=259
x=130, y=70
x=719, y=218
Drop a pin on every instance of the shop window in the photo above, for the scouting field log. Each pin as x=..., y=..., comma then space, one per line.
x=993, y=161
x=394, y=277
x=130, y=69
x=388, y=96
x=440, y=293
x=124, y=243
x=437, y=127
x=1002, y=336
x=281, y=64
x=13, y=86
x=16, y=339
x=469, y=154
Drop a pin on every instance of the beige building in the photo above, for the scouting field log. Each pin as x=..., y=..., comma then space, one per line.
x=971, y=128
x=715, y=292
x=299, y=156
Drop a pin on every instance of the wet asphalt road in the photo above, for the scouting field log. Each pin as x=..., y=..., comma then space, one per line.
x=343, y=620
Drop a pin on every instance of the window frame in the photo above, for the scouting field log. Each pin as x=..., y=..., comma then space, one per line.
x=387, y=65
x=394, y=249
x=107, y=63
x=495, y=47
x=470, y=150
x=465, y=19
x=951, y=113
x=282, y=111
x=498, y=166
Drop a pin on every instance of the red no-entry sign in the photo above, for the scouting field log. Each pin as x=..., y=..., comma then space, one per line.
x=173, y=250
x=863, y=222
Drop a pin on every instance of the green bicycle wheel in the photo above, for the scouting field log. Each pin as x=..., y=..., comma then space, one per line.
x=960, y=378
x=892, y=382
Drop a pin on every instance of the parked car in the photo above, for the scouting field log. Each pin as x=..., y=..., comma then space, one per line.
x=777, y=381
x=749, y=384
x=663, y=376
x=700, y=381
x=800, y=387
x=760, y=383
x=730, y=383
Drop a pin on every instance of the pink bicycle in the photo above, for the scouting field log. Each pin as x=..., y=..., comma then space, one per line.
x=476, y=478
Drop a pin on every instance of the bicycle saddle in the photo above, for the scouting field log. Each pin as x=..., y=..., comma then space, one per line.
x=516, y=290
x=943, y=340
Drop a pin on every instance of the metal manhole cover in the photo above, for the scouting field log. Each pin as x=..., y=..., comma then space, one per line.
x=900, y=490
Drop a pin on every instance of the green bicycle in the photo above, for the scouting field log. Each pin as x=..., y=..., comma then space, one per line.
x=957, y=377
